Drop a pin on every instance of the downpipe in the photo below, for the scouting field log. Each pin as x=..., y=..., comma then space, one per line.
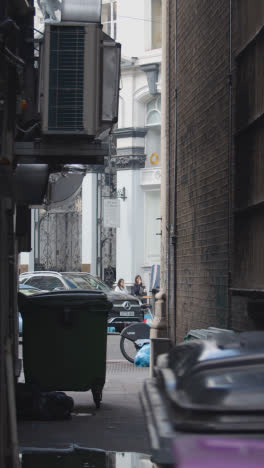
x=174, y=238
x=230, y=173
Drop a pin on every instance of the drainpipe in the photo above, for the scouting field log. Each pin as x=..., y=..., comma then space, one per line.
x=97, y=226
x=101, y=226
x=160, y=326
x=168, y=176
x=39, y=222
x=174, y=233
x=230, y=172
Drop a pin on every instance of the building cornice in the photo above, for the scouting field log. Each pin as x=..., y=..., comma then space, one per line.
x=130, y=132
x=129, y=158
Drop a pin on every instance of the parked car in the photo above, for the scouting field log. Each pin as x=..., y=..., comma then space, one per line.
x=28, y=291
x=126, y=308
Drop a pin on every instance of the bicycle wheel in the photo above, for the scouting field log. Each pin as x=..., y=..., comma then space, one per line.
x=128, y=348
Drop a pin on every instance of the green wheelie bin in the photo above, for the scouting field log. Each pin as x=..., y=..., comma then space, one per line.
x=64, y=340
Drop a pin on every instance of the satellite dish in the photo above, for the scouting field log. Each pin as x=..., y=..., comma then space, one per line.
x=62, y=187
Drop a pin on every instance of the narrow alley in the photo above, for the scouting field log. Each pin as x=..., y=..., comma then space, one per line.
x=131, y=233
x=117, y=426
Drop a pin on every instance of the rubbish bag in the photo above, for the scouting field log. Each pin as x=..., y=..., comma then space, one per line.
x=42, y=406
x=143, y=356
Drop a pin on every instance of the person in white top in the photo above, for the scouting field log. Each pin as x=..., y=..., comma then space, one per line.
x=121, y=287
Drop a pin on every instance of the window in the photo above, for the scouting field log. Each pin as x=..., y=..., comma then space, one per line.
x=153, y=109
x=109, y=17
x=46, y=283
x=155, y=24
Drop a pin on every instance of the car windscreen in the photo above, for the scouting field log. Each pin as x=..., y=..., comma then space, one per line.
x=85, y=282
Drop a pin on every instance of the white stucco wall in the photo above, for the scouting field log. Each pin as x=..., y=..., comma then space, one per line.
x=134, y=95
x=131, y=27
x=24, y=259
x=89, y=222
x=130, y=240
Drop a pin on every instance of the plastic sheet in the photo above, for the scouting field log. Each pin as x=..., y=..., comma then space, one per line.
x=42, y=406
x=51, y=9
x=142, y=357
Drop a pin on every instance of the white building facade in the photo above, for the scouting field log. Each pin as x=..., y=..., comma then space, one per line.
x=137, y=158
x=137, y=26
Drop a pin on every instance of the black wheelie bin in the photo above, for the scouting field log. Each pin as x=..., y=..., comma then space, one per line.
x=64, y=340
x=205, y=333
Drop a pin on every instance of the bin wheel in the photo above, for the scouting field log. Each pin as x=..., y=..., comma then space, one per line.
x=97, y=396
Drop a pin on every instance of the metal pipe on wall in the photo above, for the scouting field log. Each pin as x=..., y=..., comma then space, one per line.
x=101, y=226
x=230, y=172
x=97, y=227
x=168, y=178
x=175, y=188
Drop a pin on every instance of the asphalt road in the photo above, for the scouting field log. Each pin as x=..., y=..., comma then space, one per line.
x=113, y=348
x=119, y=425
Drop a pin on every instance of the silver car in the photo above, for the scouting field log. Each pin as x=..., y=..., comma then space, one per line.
x=126, y=308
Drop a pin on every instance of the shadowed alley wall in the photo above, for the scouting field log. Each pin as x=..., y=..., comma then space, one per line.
x=213, y=238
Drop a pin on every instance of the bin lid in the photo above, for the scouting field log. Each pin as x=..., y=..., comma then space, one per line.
x=74, y=298
x=204, y=333
x=199, y=334
x=223, y=374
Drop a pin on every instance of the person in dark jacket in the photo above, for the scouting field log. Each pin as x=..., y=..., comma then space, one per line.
x=138, y=288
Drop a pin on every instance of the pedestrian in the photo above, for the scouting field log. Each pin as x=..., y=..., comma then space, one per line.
x=120, y=287
x=138, y=288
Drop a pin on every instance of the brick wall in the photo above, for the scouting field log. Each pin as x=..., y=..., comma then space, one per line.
x=248, y=252
x=202, y=198
x=169, y=87
x=213, y=237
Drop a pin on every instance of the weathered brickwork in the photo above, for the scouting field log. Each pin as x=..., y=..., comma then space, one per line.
x=169, y=82
x=214, y=133
x=202, y=200
x=248, y=252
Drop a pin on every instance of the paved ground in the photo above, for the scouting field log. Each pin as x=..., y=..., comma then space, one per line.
x=117, y=426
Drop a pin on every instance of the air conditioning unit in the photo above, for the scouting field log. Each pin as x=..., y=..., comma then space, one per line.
x=110, y=82
x=79, y=76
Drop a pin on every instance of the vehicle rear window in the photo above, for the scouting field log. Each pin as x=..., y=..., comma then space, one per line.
x=47, y=283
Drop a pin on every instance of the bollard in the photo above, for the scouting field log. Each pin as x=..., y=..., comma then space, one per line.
x=159, y=342
x=159, y=324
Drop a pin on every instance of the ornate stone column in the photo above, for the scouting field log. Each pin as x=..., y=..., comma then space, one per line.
x=130, y=148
